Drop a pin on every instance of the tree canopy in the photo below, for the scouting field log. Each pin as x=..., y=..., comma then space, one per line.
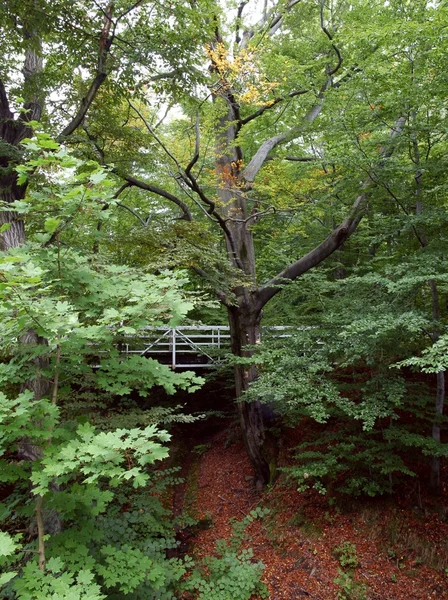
x=282, y=160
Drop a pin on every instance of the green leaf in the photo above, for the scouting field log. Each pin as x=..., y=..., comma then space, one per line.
x=7, y=544
x=55, y=565
x=51, y=224
x=5, y=577
x=21, y=207
x=98, y=176
x=46, y=142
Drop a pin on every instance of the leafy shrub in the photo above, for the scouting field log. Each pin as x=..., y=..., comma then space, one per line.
x=376, y=418
x=350, y=589
x=352, y=463
x=346, y=555
x=232, y=574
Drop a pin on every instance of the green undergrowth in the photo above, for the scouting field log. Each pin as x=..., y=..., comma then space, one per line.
x=232, y=573
x=121, y=549
x=350, y=587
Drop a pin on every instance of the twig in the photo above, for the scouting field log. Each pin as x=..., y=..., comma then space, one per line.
x=54, y=395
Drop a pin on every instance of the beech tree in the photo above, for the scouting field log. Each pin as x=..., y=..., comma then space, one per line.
x=237, y=85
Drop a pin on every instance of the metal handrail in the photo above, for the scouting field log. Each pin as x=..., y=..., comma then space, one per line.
x=176, y=343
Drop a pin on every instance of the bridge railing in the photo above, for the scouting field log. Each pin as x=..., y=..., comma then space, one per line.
x=187, y=346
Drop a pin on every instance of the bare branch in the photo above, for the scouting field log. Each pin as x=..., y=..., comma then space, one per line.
x=263, y=109
x=334, y=241
x=167, y=75
x=121, y=189
x=144, y=222
x=271, y=20
x=254, y=215
x=277, y=21
x=330, y=37
x=130, y=9
x=300, y=158
x=192, y=183
x=195, y=158
x=132, y=181
x=258, y=160
x=94, y=140
x=201, y=207
x=155, y=136
x=335, y=69
x=238, y=20
x=163, y=117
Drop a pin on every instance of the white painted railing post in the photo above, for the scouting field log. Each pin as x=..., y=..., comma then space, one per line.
x=173, y=348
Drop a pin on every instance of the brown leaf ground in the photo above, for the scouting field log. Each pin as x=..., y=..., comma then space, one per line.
x=397, y=546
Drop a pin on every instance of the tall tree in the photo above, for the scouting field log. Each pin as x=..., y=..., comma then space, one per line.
x=237, y=84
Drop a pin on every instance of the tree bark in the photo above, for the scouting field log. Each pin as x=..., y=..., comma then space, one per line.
x=434, y=478
x=245, y=331
x=14, y=234
x=434, y=474
x=244, y=317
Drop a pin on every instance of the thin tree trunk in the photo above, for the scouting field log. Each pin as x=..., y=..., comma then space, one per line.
x=434, y=480
x=38, y=385
x=434, y=475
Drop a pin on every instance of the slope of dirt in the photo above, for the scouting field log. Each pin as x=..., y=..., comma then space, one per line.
x=300, y=540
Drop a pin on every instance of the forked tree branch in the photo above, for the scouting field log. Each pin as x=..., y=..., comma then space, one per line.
x=128, y=10
x=187, y=177
x=105, y=44
x=133, y=181
x=336, y=238
x=299, y=158
x=259, y=158
x=271, y=20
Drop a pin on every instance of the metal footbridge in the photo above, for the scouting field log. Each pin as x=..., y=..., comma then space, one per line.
x=189, y=346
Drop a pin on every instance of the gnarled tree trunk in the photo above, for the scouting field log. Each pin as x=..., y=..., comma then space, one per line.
x=245, y=331
x=244, y=316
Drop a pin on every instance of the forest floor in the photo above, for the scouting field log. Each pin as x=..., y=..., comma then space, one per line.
x=305, y=541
